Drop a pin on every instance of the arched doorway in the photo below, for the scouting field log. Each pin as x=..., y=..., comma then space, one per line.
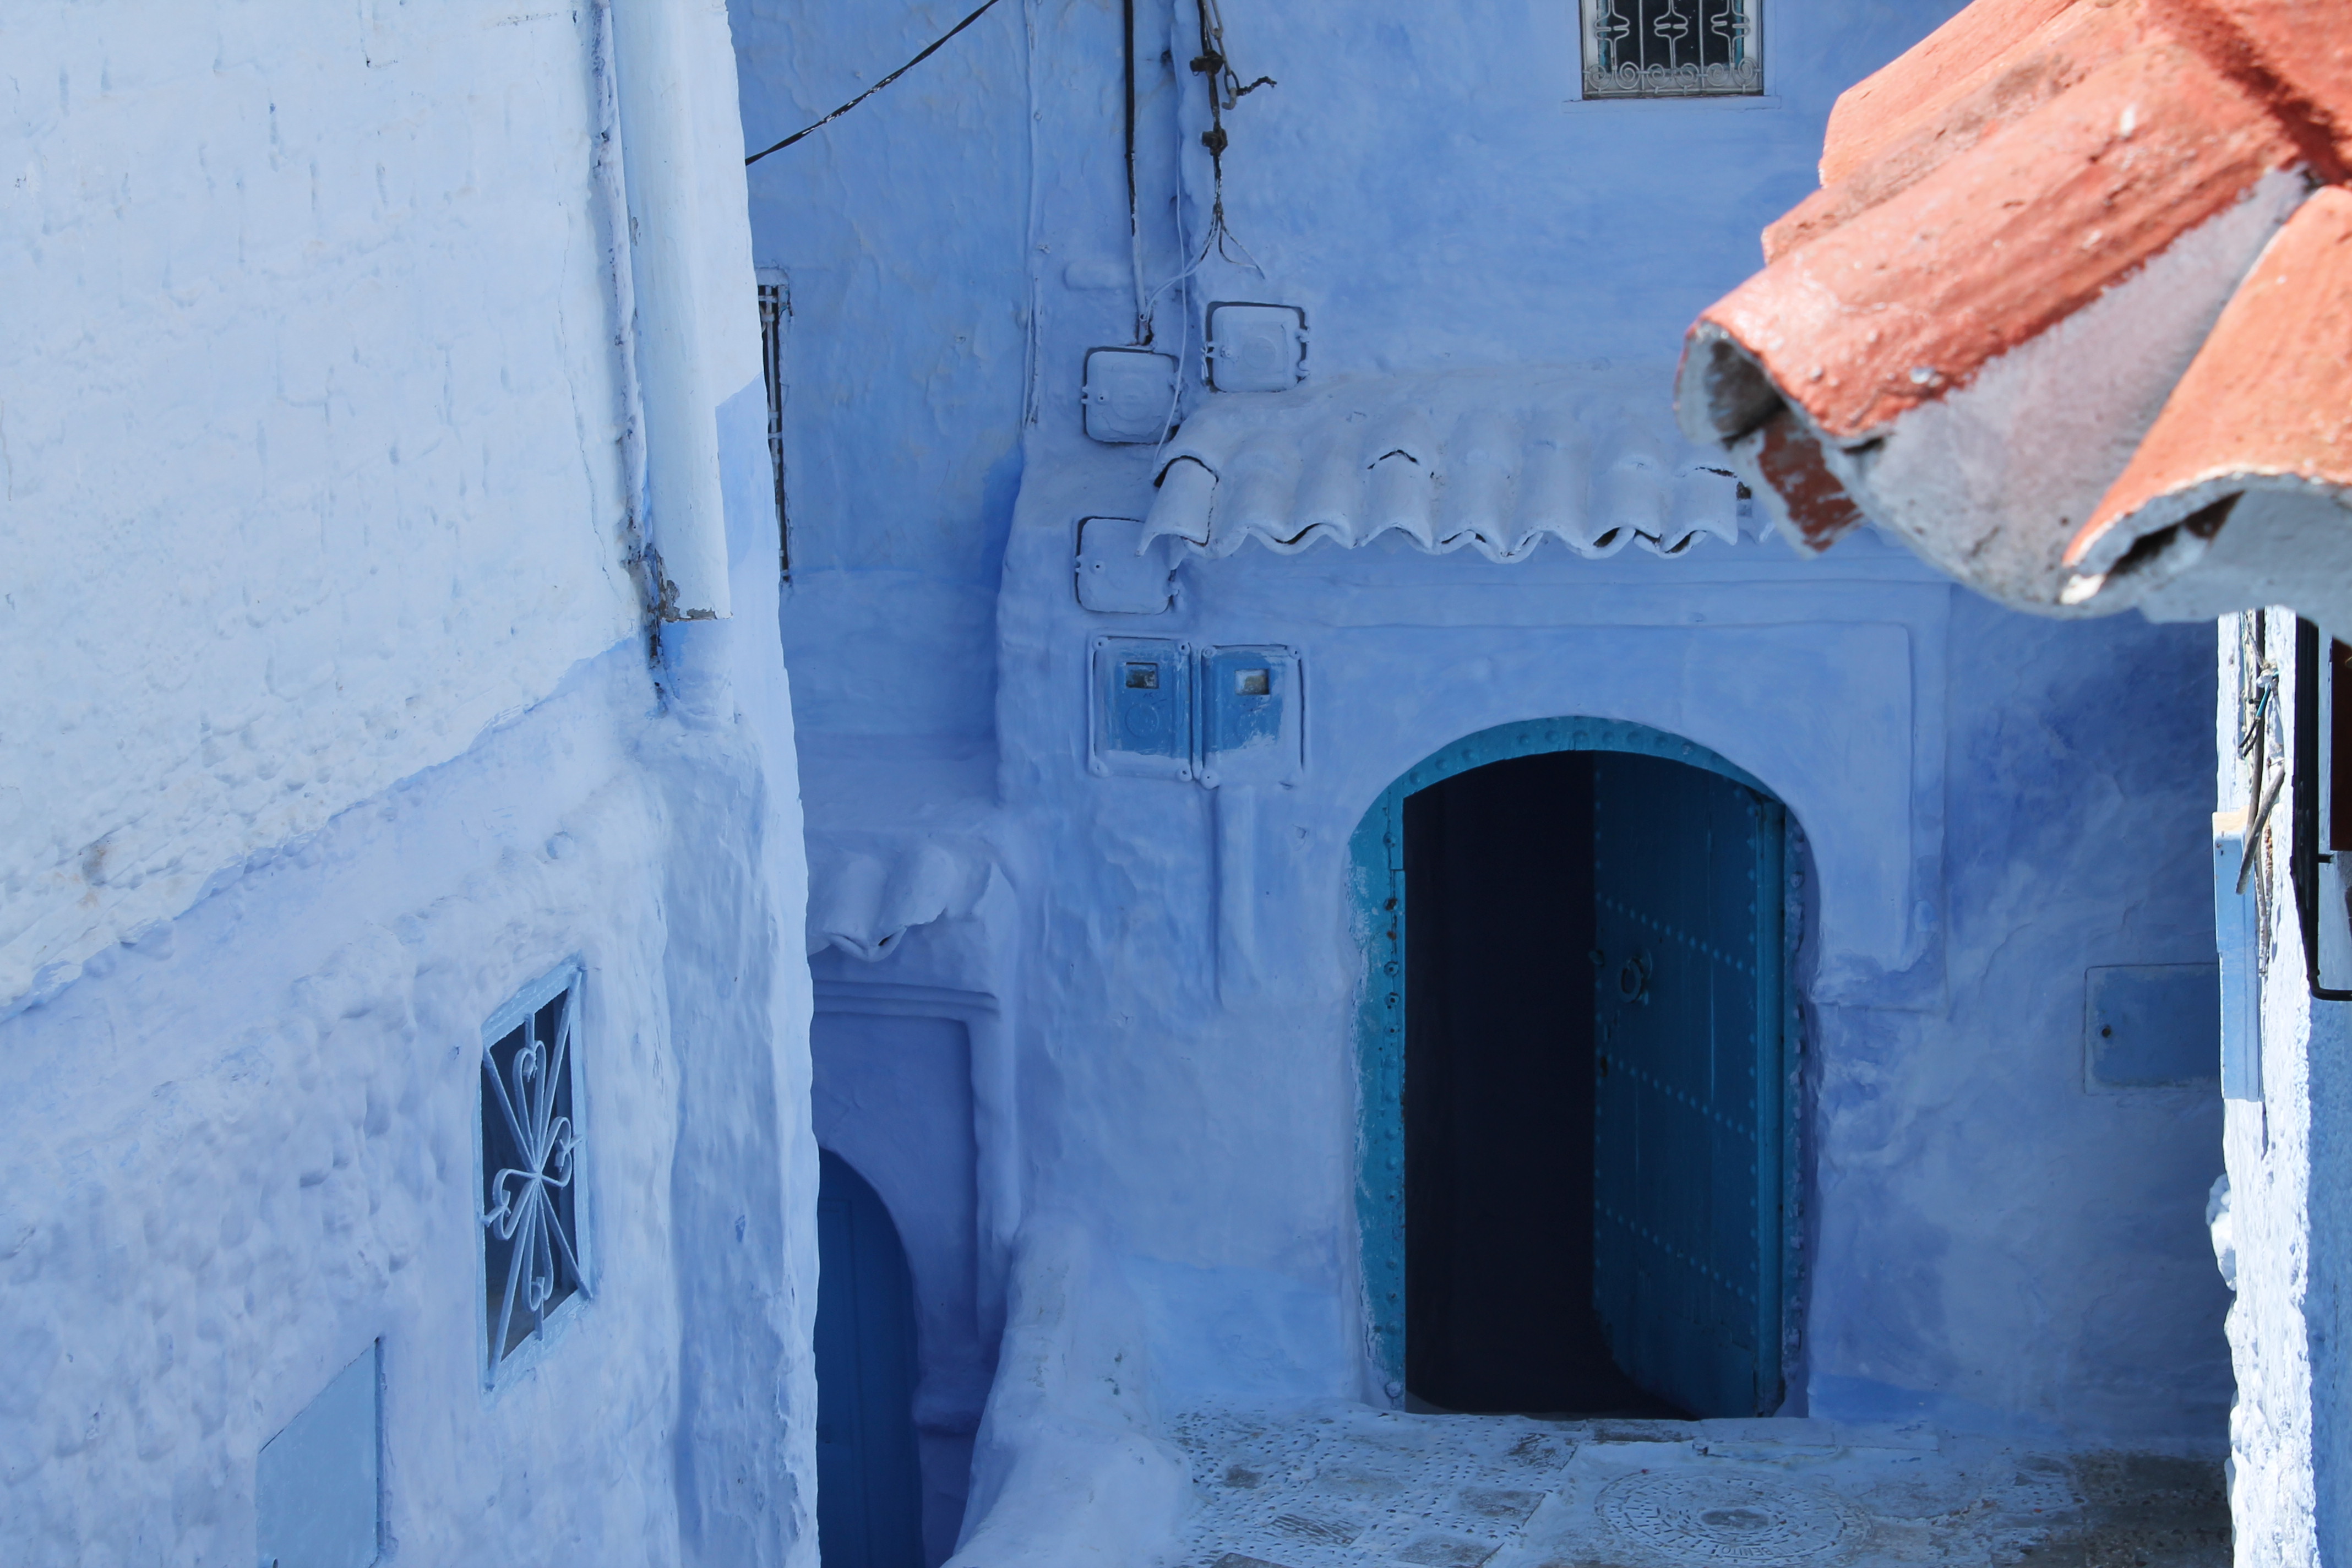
x=1576, y=1191
x=869, y=1484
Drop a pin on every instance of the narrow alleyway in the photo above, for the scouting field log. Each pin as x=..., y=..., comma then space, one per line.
x=1340, y=1485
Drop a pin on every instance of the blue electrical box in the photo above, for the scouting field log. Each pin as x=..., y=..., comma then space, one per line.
x=1117, y=573
x=2155, y=1025
x=1251, y=716
x=1141, y=712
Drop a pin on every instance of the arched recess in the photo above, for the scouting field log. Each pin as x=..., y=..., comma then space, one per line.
x=869, y=1486
x=1381, y=914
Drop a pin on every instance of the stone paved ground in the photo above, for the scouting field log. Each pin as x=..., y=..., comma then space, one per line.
x=1340, y=1485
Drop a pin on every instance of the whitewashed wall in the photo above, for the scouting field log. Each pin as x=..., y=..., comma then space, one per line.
x=331, y=689
x=308, y=406
x=2284, y=1231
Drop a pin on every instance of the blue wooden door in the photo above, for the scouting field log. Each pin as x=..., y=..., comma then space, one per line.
x=868, y=1481
x=1688, y=1139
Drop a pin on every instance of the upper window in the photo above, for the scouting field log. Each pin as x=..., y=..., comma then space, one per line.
x=531, y=1262
x=1672, y=49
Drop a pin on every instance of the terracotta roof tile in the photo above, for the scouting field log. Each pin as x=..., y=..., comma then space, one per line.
x=1909, y=135
x=1913, y=297
x=2296, y=56
x=2031, y=226
x=1979, y=39
x=2267, y=401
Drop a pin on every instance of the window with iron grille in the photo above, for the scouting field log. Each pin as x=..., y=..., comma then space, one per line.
x=532, y=1260
x=775, y=308
x=1672, y=49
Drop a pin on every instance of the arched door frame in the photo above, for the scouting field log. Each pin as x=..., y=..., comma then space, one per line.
x=872, y=1413
x=1376, y=878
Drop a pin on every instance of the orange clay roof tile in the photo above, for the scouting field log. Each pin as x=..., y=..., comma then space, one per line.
x=1908, y=137
x=2028, y=161
x=1976, y=39
x=2294, y=55
x=2268, y=397
x=1912, y=296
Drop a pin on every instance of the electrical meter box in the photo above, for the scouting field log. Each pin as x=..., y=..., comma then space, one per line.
x=1256, y=348
x=1129, y=395
x=1253, y=720
x=1141, y=715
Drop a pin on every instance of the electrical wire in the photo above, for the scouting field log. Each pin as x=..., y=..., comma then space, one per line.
x=1134, y=206
x=928, y=50
x=1225, y=90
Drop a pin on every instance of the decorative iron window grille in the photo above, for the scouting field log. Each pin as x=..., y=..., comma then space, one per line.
x=776, y=307
x=1672, y=49
x=530, y=1208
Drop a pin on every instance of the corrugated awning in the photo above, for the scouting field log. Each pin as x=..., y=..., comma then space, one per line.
x=1497, y=460
x=1980, y=331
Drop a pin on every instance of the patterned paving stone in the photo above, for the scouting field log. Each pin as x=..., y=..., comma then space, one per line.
x=1341, y=1486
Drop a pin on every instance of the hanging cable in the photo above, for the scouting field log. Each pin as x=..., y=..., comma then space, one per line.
x=1225, y=90
x=1134, y=221
x=928, y=50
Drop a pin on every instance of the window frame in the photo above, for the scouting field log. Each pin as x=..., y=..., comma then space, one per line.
x=2319, y=861
x=1591, y=55
x=498, y=1371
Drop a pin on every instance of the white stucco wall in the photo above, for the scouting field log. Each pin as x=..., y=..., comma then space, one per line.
x=309, y=415
x=333, y=693
x=244, y=1149
x=2285, y=1227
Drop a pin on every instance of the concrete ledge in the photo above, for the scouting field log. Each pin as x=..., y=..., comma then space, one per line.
x=1067, y=1469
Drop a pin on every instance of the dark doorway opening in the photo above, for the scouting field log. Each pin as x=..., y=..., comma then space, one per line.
x=1498, y=1095
x=1592, y=1098
x=868, y=1482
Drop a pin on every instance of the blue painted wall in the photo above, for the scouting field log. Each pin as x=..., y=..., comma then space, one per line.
x=1994, y=805
x=900, y=229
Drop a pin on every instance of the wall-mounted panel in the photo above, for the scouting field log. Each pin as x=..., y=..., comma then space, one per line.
x=1251, y=716
x=2151, y=1026
x=1141, y=708
x=315, y=1483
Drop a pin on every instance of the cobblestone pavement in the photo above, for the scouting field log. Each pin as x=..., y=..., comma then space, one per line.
x=1340, y=1485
